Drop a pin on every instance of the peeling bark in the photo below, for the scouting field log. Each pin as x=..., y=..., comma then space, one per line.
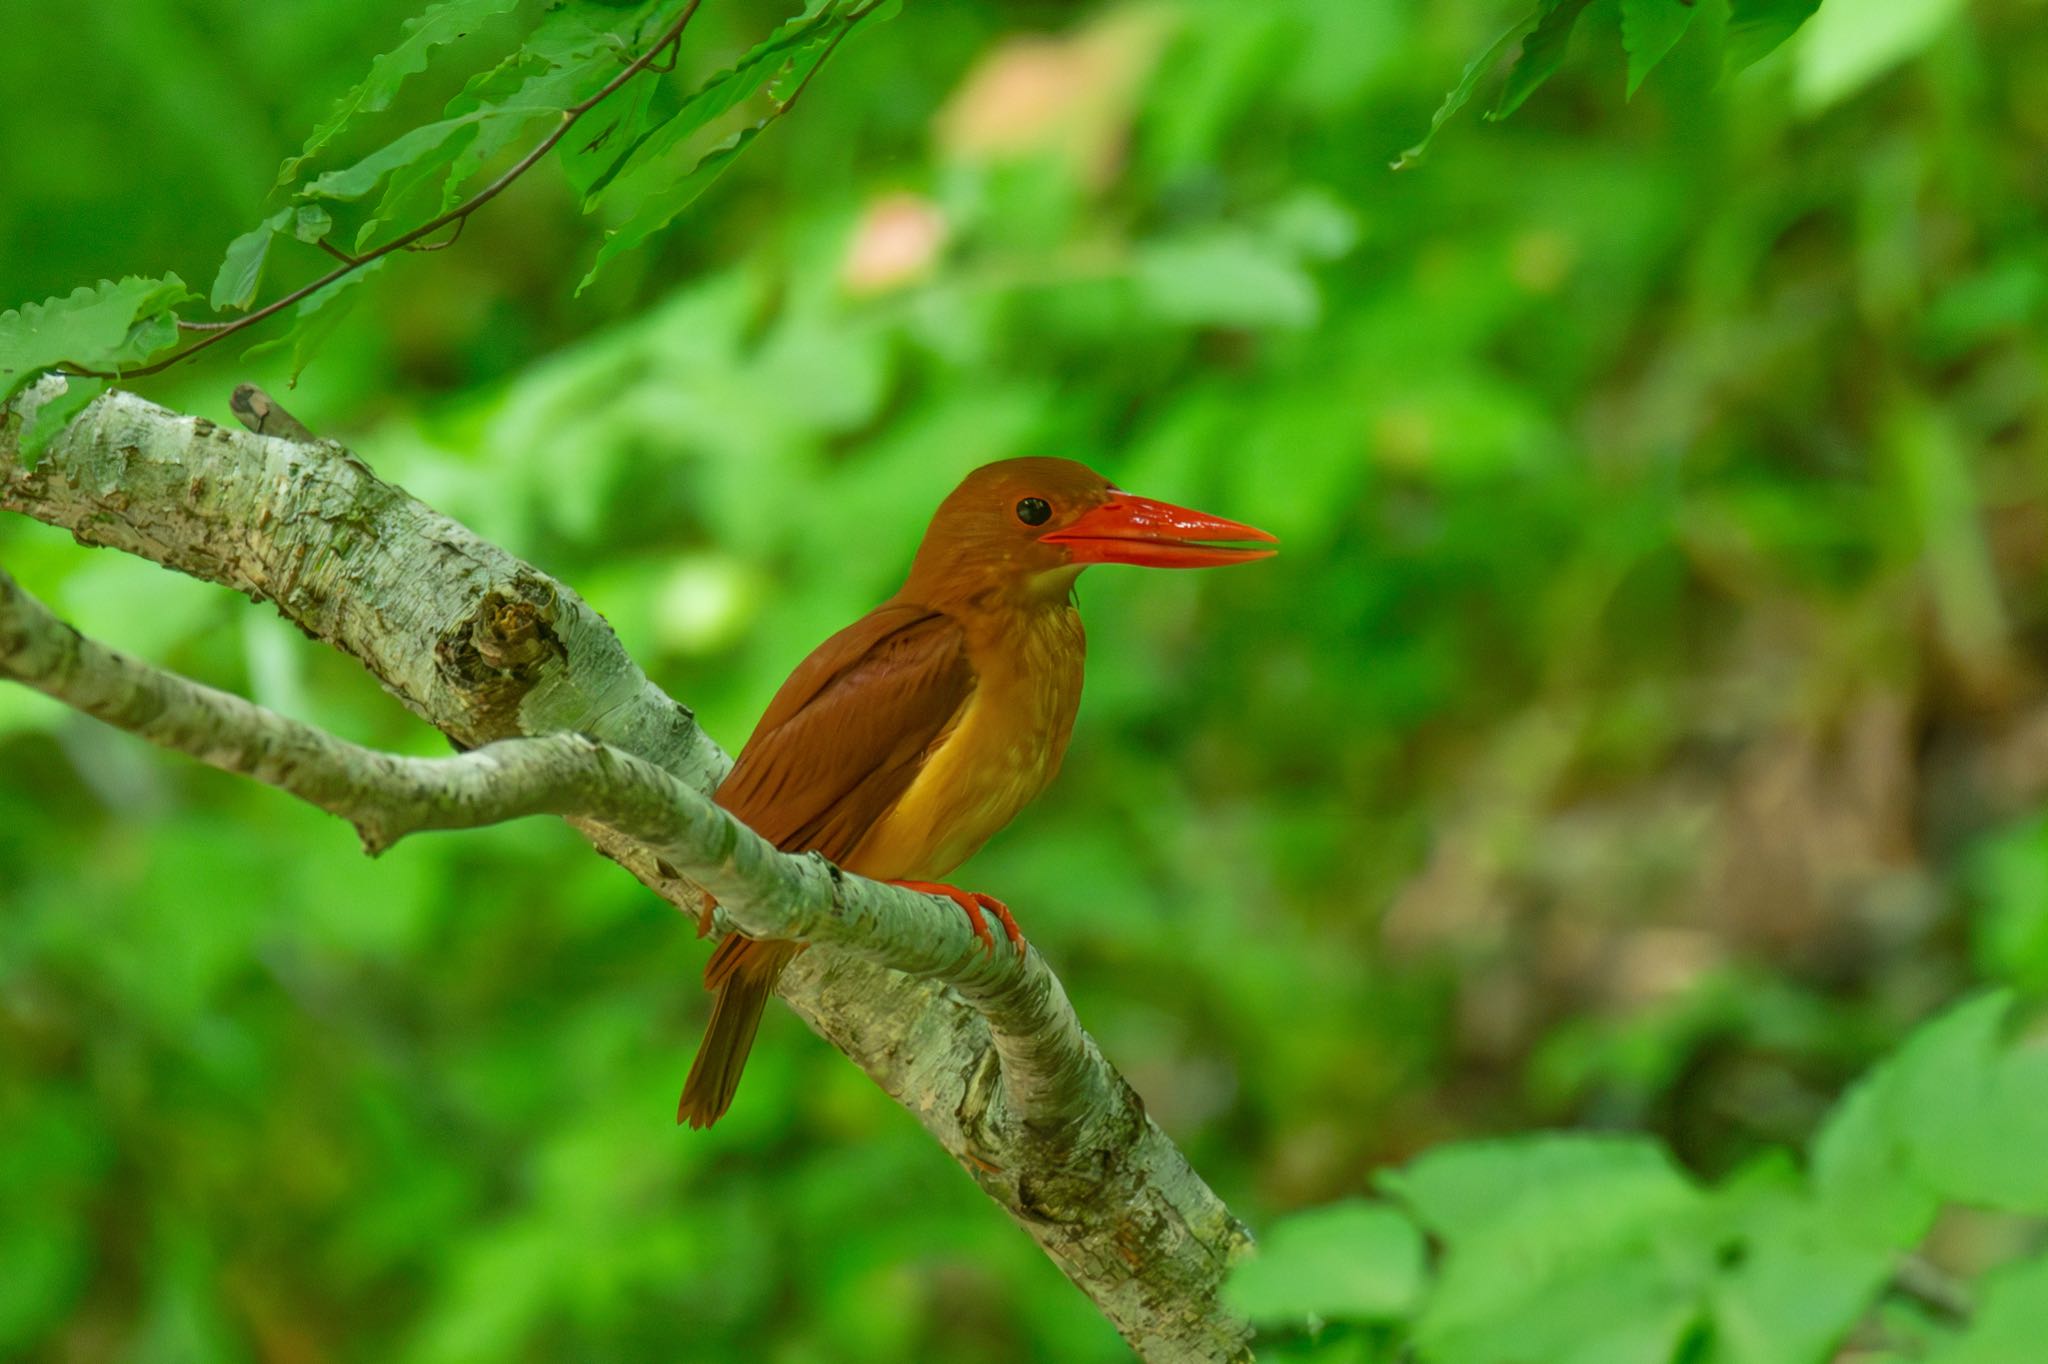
x=985, y=1051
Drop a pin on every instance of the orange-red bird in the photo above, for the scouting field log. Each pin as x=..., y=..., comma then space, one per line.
x=907, y=739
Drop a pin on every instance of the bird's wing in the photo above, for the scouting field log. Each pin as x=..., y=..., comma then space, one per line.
x=849, y=730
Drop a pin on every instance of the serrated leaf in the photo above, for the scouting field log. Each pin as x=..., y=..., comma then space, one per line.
x=353, y=182
x=1542, y=53
x=241, y=271
x=440, y=25
x=540, y=99
x=1757, y=27
x=108, y=326
x=661, y=206
x=1461, y=94
x=1649, y=30
x=1354, y=1261
x=315, y=320
x=408, y=181
x=721, y=93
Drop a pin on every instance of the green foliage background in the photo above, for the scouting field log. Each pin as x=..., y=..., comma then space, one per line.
x=1643, y=730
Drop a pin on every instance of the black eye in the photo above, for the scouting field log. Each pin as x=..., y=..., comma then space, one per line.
x=1034, y=511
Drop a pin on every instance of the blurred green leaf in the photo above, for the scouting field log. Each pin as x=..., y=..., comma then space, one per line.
x=1475, y=71
x=1354, y=1261
x=1756, y=28
x=1225, y=278
x=1542, y=53
x=2009, y=931
x=1846, y=46
x=1972, y=1108
x=2010, y=1321
x=1560, y=1247
x=1649, y=30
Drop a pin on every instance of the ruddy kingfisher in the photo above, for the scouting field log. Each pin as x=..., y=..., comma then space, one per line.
x=910, y=737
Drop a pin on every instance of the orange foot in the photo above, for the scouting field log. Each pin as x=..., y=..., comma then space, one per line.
x=974, y=904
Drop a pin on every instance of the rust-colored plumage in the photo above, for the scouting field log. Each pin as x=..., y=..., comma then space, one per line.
x=910, y=737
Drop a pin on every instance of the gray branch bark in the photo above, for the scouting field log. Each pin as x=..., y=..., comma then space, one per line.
x=985, y=1051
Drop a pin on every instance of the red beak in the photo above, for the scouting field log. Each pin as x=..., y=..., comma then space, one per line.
x=1138, y=530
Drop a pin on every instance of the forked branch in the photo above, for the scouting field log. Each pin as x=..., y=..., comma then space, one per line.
x=984, y=1051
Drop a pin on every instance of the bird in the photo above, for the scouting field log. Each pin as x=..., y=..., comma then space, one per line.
x=905, y=741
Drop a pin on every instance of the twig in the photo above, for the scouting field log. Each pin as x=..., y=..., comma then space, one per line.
x=216, y=332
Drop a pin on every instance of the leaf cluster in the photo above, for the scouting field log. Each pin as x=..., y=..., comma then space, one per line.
x=641, y=157
x=1579, y=1248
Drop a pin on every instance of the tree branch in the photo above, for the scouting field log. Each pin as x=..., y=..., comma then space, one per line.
x=985, y=1051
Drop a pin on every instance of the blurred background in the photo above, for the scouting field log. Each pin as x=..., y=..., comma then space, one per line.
x=1646, y=723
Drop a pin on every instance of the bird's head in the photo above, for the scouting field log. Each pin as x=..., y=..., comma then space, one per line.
x=1029, y=526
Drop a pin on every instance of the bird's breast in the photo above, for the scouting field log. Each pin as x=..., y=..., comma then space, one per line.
x=1003, y=749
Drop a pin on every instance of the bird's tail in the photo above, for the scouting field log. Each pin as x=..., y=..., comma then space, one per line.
x=742, y=971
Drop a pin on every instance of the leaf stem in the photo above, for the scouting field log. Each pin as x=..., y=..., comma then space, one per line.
x=220, y=331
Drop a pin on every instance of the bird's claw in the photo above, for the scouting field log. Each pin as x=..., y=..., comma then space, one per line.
x=973, y=904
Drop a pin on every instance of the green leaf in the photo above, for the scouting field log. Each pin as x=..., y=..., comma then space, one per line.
x=2008, y=873
x=1863, y=1175
x=42, y=422
x=1649, y=30
x=1543, y=1185
x=594, y=146
x=442, y=24
x=314, y=320
x=807, y=35
x=1225, y=278
x=1973, y=1109
x=1461, y=94
x=1757, y=27
x=1354, y=1260
x=241, y=273
x=353, y=182
x=1566, y=1248
x=1848, y=46
x=1542, y=53
x=540, y=100
x=2011, y=1319
x=1789, y=1285
x=661, y=206
x=109, y=326
x=404, y=193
